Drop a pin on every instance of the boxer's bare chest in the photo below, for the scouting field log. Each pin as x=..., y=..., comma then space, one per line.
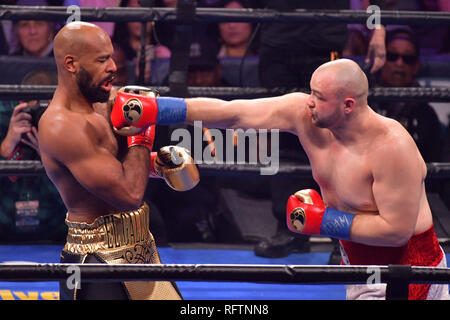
x=345, y=178
x=102, y=132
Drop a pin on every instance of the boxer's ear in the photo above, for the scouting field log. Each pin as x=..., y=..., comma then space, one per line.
x=70, y=63
x=350, y=104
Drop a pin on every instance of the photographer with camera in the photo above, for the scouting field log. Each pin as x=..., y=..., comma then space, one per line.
x=21, y=130
x=30, y=206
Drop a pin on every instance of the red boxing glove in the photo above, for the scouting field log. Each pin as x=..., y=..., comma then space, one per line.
x=134, y=110
x=305, y=203
x=145, y=139
x=307, y=214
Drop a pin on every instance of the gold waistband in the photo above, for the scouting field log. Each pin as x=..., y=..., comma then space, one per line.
x=109, y=232
x=121, y=238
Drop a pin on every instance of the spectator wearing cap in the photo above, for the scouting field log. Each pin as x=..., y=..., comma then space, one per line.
x=204, y=68
x=400, y=70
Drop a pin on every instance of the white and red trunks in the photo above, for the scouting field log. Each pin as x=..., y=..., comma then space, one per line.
x=422, y=249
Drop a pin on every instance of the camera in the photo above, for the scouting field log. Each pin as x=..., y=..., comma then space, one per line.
x=36, y=112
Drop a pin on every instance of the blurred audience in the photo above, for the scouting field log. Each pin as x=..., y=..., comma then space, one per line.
x=400, y=70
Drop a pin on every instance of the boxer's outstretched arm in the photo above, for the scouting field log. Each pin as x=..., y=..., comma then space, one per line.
x=121, y=184
x=398, y=174
x=266, y=113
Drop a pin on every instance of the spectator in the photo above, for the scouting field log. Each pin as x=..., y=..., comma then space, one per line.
x=235, y=36
x=204, y=65
x=30, y=207
x=400, y=70
x=34, y=37
x=128, y=37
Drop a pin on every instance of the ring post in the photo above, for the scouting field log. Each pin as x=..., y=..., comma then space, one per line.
x=398, y=282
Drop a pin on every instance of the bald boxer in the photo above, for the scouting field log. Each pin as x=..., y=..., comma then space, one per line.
x=370, y=172
x=101, y=177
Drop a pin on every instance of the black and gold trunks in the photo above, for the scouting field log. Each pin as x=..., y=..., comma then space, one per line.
x=119, y=238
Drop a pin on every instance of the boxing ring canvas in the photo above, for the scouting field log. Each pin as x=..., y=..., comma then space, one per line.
x=191, y=290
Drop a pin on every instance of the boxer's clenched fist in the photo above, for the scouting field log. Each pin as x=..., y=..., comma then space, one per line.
x=176, y=167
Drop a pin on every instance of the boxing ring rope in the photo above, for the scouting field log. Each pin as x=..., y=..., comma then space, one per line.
x=33, y=92
x=435, y=170
x=116, y=14
x=396, y=277
x=298, y=274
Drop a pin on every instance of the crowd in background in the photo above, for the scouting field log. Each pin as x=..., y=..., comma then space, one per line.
x=30, y=208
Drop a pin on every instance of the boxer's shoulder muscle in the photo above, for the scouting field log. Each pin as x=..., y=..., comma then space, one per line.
x=395, y=145
x=64, y=133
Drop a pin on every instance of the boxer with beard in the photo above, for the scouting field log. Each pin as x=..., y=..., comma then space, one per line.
x=100, y=176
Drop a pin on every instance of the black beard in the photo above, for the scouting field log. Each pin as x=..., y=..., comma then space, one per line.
x=90, y=91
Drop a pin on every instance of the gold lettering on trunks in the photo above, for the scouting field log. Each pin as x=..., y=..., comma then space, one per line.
x=109, y=231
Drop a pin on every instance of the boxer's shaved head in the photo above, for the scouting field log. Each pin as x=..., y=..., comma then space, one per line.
x=79, y=38
x=83, y=54
x=339, y=90
x=344, y=78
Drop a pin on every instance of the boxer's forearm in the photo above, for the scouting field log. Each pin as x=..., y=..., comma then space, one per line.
x=374, y=230
x=265, y=113
x=214, y=113
x=136, y=167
